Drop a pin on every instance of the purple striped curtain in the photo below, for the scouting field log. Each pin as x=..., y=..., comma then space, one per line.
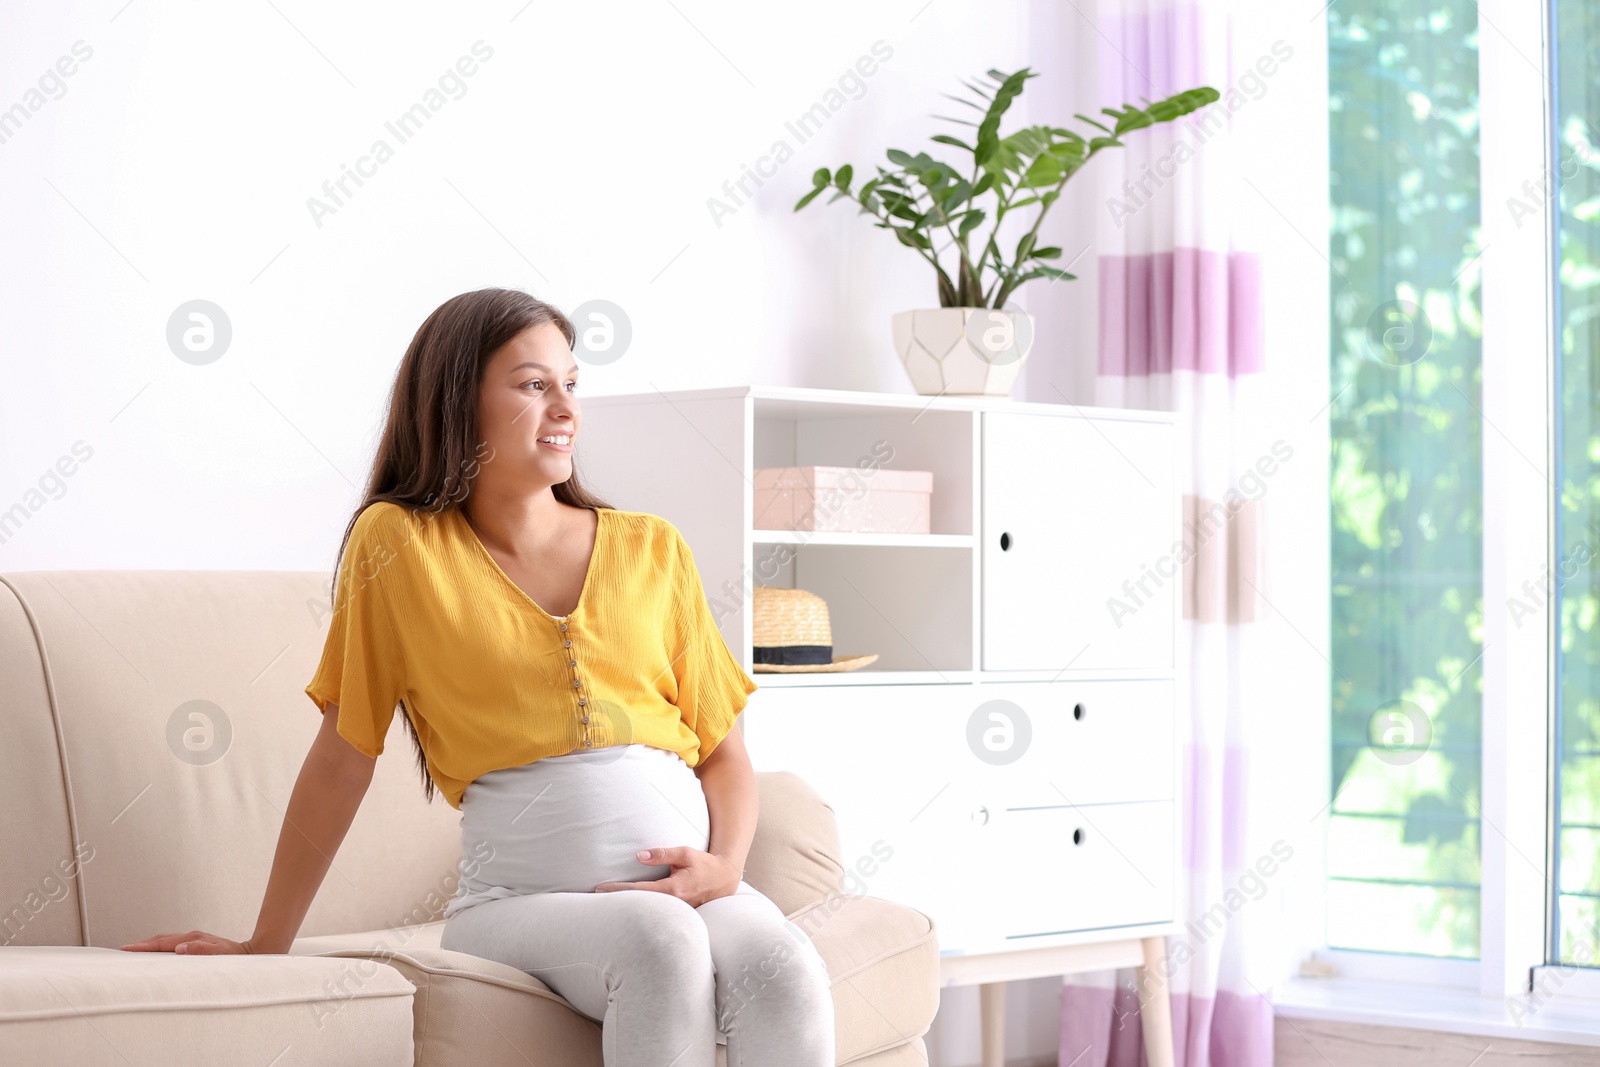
x=1180, y=328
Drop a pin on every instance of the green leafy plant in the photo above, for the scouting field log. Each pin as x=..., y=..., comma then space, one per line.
x=923, y=198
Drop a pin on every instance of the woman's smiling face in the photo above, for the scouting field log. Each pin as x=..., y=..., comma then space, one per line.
x=528, y=394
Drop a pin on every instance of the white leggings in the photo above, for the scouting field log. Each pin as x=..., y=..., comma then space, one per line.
x=667, y=981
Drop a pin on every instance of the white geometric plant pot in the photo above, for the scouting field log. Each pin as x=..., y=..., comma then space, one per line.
x=963, y=351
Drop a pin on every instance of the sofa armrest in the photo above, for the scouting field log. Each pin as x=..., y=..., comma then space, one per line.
x=794, y=856
x=883, y=964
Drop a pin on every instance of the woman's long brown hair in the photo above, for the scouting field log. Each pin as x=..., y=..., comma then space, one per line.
x=428, y=456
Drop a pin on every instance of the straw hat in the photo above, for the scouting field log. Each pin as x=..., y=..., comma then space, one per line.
x=792, y=635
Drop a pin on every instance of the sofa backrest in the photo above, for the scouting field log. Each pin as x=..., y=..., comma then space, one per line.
x=152, y=726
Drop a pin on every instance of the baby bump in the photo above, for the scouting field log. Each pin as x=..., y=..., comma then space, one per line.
x=567, y=823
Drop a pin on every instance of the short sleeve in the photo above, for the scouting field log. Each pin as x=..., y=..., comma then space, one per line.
x=712, y=687
x=362, y=669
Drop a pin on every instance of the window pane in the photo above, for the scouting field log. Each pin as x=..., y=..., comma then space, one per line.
x=1406, y=480
x=1577, y=150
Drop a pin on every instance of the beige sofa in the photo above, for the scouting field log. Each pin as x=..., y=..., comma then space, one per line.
x=152, y=725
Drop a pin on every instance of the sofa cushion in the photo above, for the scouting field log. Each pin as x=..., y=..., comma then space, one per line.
x=882, y=958
x=468, y=1009
x=104, y=1005
x=913, y=1053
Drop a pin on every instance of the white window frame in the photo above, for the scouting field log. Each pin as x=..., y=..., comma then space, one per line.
x=1553, y=983
x=1518, y=452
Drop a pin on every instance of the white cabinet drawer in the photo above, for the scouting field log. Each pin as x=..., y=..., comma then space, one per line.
x=1102, y=742
x=997, y=879
x=1057, y=870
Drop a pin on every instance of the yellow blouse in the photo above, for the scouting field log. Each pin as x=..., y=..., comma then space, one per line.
x=425, y=616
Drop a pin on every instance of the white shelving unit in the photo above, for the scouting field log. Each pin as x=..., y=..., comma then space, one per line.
x=1044, y=518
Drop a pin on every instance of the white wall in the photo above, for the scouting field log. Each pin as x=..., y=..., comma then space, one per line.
x=179, y=159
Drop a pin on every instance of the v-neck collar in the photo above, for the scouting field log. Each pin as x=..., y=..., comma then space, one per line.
x=483, y=553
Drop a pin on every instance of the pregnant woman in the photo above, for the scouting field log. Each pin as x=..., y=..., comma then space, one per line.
x=565, y=687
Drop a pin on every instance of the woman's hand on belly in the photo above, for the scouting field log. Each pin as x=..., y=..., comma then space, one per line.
x=696, y=876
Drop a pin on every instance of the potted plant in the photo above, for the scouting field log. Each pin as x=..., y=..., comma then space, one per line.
x=973, y=343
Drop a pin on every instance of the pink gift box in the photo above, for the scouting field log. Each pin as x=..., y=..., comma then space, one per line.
x=842, y=499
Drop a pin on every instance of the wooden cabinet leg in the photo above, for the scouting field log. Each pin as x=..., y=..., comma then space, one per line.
x=1155, y=1004
x=992, y=1017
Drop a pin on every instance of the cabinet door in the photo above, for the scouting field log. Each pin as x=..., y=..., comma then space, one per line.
x=892, y=763
x=916, y=809
x=1080, y=561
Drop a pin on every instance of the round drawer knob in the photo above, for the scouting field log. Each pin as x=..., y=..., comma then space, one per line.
x=1077, y=836
x=1077, y=712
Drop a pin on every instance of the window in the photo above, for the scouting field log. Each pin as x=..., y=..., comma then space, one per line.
x=1406, y=485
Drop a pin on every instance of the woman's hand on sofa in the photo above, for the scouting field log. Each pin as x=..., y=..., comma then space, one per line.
x=193, y=943
x=696, y=876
